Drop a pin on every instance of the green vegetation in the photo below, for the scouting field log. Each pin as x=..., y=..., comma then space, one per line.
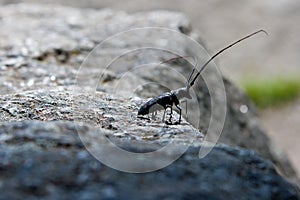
x=271, y=92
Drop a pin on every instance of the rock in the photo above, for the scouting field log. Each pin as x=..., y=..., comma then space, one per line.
x=114, y=114
x=47, y=160
x=39, y=63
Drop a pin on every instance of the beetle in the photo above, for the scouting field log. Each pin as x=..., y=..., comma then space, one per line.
x=169, y=99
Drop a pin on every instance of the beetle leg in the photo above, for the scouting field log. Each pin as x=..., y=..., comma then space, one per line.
x=163, y=119
x=153, y=116
x=177, y=106
x=186, y=110
x=171, y=112
x=169, y=122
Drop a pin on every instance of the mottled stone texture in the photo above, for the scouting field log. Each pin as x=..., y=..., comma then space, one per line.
x=41, y=49
x=47, y=160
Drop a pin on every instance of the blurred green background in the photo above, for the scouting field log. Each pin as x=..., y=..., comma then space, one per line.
x=271, y=92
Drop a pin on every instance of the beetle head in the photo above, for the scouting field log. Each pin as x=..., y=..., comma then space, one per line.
x=183, y=93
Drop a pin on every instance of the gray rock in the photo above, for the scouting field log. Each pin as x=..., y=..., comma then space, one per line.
x=114, y=114
x=38, y=63
x=47, y=160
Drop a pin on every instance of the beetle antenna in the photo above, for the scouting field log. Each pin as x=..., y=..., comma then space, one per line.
x=221, y=51
x=193, y=70
x=172, y=59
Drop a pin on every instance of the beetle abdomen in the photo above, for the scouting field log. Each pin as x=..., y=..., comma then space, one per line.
x=158, y=103
x=149, y=107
